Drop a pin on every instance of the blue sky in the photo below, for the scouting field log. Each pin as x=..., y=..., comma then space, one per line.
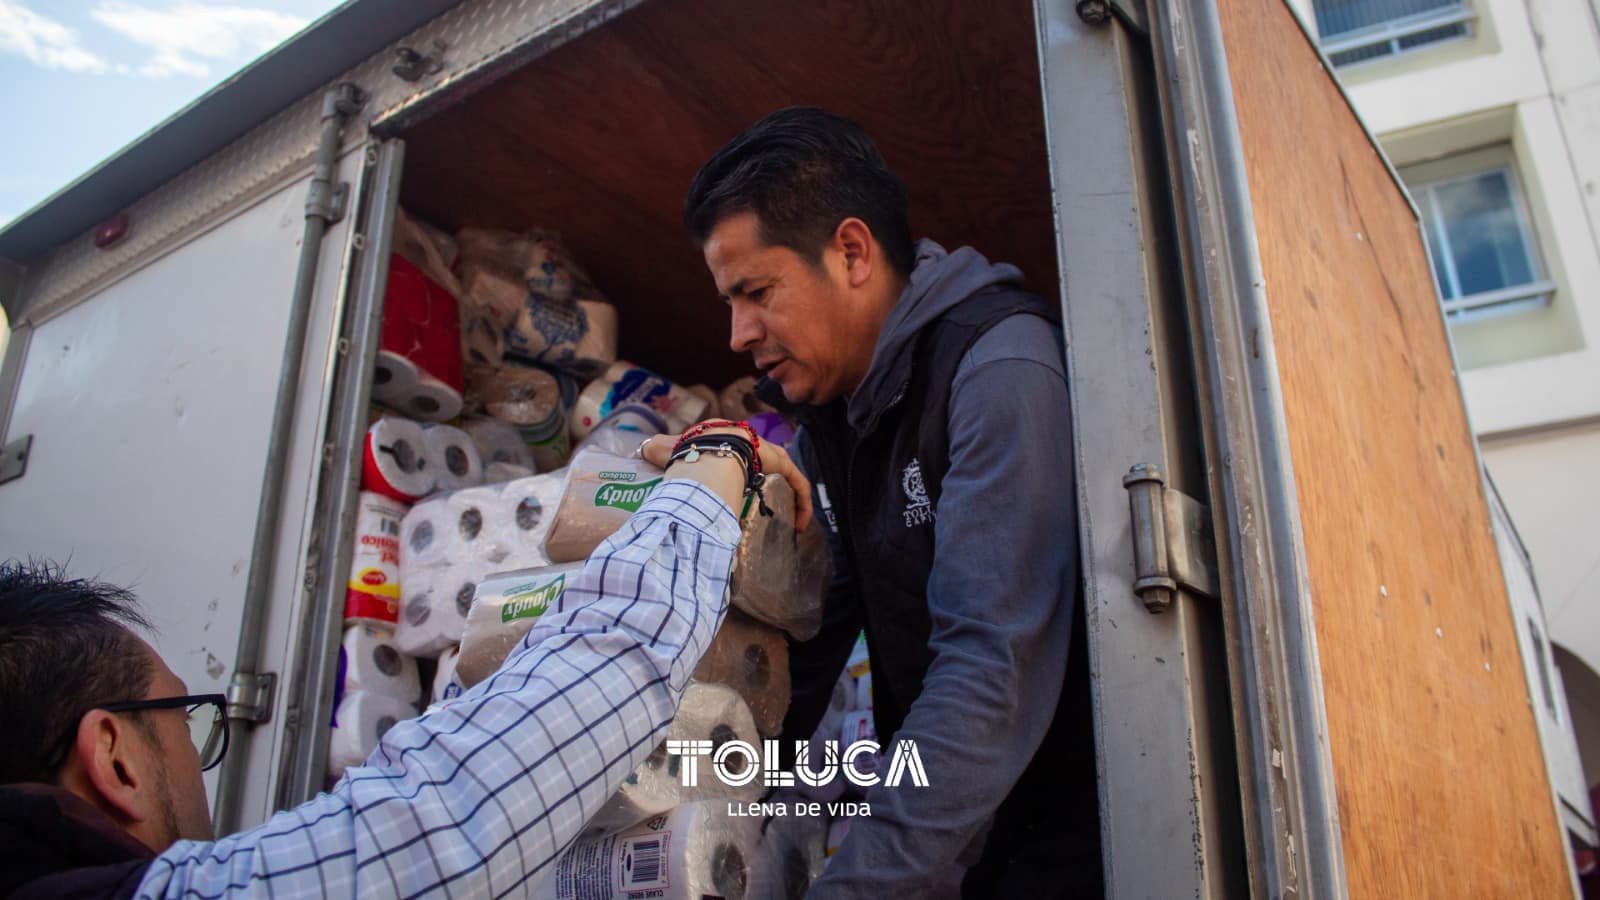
x=83, y=78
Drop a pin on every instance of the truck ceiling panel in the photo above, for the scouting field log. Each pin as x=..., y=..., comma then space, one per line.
x=600, y=138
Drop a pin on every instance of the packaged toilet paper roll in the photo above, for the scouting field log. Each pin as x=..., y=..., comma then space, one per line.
x=620, y=432
x=359, y=722
x=373, y=593
x=602, y=490
x=453, y=457
x=530, y=400
x=394, y=379
x=577, y=336
x=696, y=851
x=433, y=400
x=421, y=322
x=450, y=542
x=482, y=341
x=709, y=712
x=496, y=473
x=780, y=575
x=739, y=401
x=395, y=462
x=791, y=853
x=504, y=609
x=624, y=383
x=497, y=441
x=445, y=685
x=489, y=291
x=753, y=659
x=369, y=662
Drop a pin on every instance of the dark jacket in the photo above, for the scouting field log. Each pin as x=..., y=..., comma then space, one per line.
x=54, y=844
x=947, y=482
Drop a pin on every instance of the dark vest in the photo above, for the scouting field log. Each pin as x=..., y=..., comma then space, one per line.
x=53, y=844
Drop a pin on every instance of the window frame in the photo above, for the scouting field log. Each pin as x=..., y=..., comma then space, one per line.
x=1392, y=31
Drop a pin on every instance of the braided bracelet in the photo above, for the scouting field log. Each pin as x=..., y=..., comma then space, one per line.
x=726, y=446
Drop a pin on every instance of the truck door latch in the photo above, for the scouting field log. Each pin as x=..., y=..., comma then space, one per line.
x=250, y=696
x=1173, y=545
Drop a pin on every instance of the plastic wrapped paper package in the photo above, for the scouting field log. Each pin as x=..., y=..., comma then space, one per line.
x=713, y=408
x=709, y=712
x=693, y=852
x=499, y=472
x=395, y=460
x=530, y=400
x=427, y=248
x=373, y=593
x=780, y=575
x=497, y=441
x=490, y=292
x=602, y=490
x=577, y=335
x=453, y=457
x=739, y=401
x=451, y=541
x=791, y=853
x=504, y=609
x=753, y=659
x=359, y=721
x=369, y=662
x=445, y=685
x=482, y=342
x=419, y=365
x=625, y=383
x=536, y=260
x=621, y=432
x=828, y=729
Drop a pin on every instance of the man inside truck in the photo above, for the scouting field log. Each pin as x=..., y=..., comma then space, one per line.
x=101, y=792
x=932, y=393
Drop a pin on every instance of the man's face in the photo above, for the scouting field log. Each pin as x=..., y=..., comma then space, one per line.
x=181, y=790
x=793, y=318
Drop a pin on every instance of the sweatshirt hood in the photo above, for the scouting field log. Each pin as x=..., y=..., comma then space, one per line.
x=939, y=280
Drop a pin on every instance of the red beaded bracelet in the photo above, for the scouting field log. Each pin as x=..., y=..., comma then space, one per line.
x=702, y=427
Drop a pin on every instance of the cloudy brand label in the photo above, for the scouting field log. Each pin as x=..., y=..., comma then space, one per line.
x=627, y=498
x=529, y=602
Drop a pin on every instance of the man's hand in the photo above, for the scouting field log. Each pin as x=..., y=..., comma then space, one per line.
x=774, y=461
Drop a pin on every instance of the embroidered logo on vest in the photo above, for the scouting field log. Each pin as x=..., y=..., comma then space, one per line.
x=919, y=511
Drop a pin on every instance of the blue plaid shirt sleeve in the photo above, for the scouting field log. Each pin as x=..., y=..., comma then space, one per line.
x=479, y=798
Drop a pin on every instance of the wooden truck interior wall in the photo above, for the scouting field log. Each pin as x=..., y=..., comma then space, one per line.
x=1440, y=780
x=600, y=138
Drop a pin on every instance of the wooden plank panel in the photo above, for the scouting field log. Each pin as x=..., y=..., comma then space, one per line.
x=1441, y=784
x=600, y=138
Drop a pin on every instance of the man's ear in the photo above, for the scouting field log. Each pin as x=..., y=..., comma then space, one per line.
x=111, y=767
x=853, y=241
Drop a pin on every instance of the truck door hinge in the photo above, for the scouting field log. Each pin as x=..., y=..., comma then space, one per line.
x=14, y=458
x=1173, y=545
x=250, y=696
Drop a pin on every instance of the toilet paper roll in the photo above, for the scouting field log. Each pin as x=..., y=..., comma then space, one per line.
x=496, y=473
x=694, y=852
x=373, y=593
x=602, y=490
x=432, y=400
x=359, y=722
x=707, y=393
x=792, y=853
x=577, y=336
x=445, y=685
x=780, y=575
x=395, y=462
x=453, y=457
x=394, y=379
x=709, y=712
x=753, y=659
x=625, y=383
x=620, y=432
x=504, y=609
x=497, y=441
x=450, y=542
x=369, y=662
x=530, y=400
x=421, y=322
x=739, y=401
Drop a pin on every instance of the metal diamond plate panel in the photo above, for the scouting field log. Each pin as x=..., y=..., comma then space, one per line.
x=482, y=39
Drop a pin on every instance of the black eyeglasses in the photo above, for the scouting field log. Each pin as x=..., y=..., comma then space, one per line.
x=209, y=732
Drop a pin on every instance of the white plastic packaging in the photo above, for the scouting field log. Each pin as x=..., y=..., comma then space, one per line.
x=602, y=490
x=453, y=458
x=753, y=659
x=625, y=383
x=369, y=662
x=504, y=610
x=695, y=851
x=780, y=575
x=359, y=722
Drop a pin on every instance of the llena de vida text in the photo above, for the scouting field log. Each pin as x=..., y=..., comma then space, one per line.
x=736, y=763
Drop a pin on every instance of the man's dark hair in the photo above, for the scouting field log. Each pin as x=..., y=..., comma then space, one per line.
x=802, y=171
x=65, y=648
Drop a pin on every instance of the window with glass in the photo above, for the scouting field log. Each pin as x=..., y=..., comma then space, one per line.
x=1354, y=31
x=1477, y=228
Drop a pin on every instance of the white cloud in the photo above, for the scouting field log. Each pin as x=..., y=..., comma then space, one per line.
x=184, y=38
x=43, y=41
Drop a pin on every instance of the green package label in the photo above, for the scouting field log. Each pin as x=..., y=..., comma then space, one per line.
x=624, y=497
x=530, y=602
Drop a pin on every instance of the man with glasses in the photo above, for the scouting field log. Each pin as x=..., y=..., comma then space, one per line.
x=100, y=787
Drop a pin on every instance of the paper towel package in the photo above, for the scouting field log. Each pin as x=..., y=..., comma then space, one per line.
x=450, y=542
x=373, y=593
x=753, y=659
x=709, y=712
x=577, y=336
x=453, y=458
x=359, y=722
x=780, y=575
x=693, y=852
x=531, y=400
x=497, y=441
x=625, y=383
x=445, y=685
x=602, y=490
x=369, y=662
x=504, y=609
x=791, y=853
x=395, y=460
